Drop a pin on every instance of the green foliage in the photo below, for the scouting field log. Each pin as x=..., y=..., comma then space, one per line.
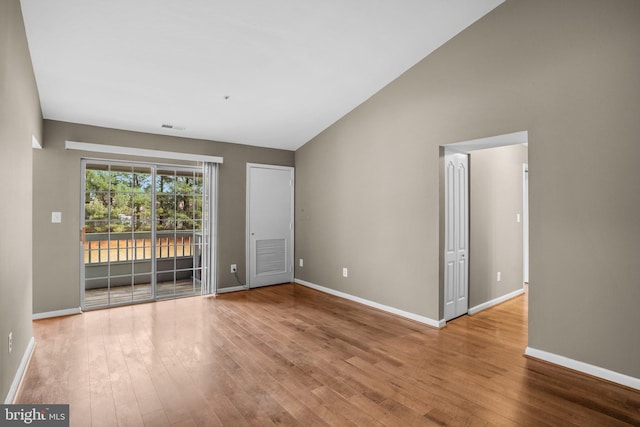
x=120, y=201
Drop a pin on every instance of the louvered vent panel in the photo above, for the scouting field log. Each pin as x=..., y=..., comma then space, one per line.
x=270, y=256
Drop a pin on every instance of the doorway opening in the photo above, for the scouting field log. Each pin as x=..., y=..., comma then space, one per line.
x=490, y=266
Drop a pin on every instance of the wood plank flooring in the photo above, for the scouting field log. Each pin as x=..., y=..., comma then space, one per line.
x=289, y=355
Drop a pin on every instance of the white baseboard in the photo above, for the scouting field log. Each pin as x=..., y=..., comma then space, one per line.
x=22, y=368
x=57, y=313
x=232, y=289
x=495, y=301
x=388, y=309
x=595, y=371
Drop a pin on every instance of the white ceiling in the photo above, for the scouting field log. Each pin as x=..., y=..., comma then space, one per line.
x=290, y=68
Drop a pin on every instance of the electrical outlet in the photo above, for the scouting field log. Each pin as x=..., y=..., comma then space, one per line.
x=234, y=268
x=301, y=262
x=10, y=342
x=345, y=272
x=499, y=276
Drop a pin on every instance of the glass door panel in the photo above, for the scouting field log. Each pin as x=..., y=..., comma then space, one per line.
x=141, y=247
x=117, y=209
x=179, y=196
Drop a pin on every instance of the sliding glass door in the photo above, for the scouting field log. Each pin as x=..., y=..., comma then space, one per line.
x=142, y=232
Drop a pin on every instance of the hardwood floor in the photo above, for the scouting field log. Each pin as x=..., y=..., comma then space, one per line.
x=294, y=356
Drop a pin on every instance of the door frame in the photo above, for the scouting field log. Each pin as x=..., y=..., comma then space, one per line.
x=515, y=138
x=290, y=255
x=525, y=222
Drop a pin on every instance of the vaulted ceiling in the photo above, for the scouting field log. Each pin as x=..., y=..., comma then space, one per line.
x=266, y=73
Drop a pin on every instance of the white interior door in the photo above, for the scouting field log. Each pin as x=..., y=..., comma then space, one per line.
x=269, y=225
x=456, y=273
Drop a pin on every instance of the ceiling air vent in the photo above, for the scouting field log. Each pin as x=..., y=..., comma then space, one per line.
x=167, y=126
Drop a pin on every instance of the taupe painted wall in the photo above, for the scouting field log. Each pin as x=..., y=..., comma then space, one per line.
x=367, y=187
x=20, y=118
x=495, y=239
x=56, y=184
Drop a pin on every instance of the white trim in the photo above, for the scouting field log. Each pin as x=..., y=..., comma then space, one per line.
x=514, y=138
x=57, y=313
x=22, y=368
x=585, y=368
x=231, y=289
x=388, y=309
x=495, y=301
x=142, y=152
x=525, y=223
x=35, y=143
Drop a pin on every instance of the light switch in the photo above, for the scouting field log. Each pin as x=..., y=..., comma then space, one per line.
x=56, y=217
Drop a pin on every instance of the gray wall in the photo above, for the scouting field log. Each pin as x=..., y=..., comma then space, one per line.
x=20, y=118
x=367, y=187
x=495, y=242
x=56, y=186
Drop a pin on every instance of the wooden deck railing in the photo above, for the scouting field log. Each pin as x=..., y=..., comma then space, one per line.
x=124, y=247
